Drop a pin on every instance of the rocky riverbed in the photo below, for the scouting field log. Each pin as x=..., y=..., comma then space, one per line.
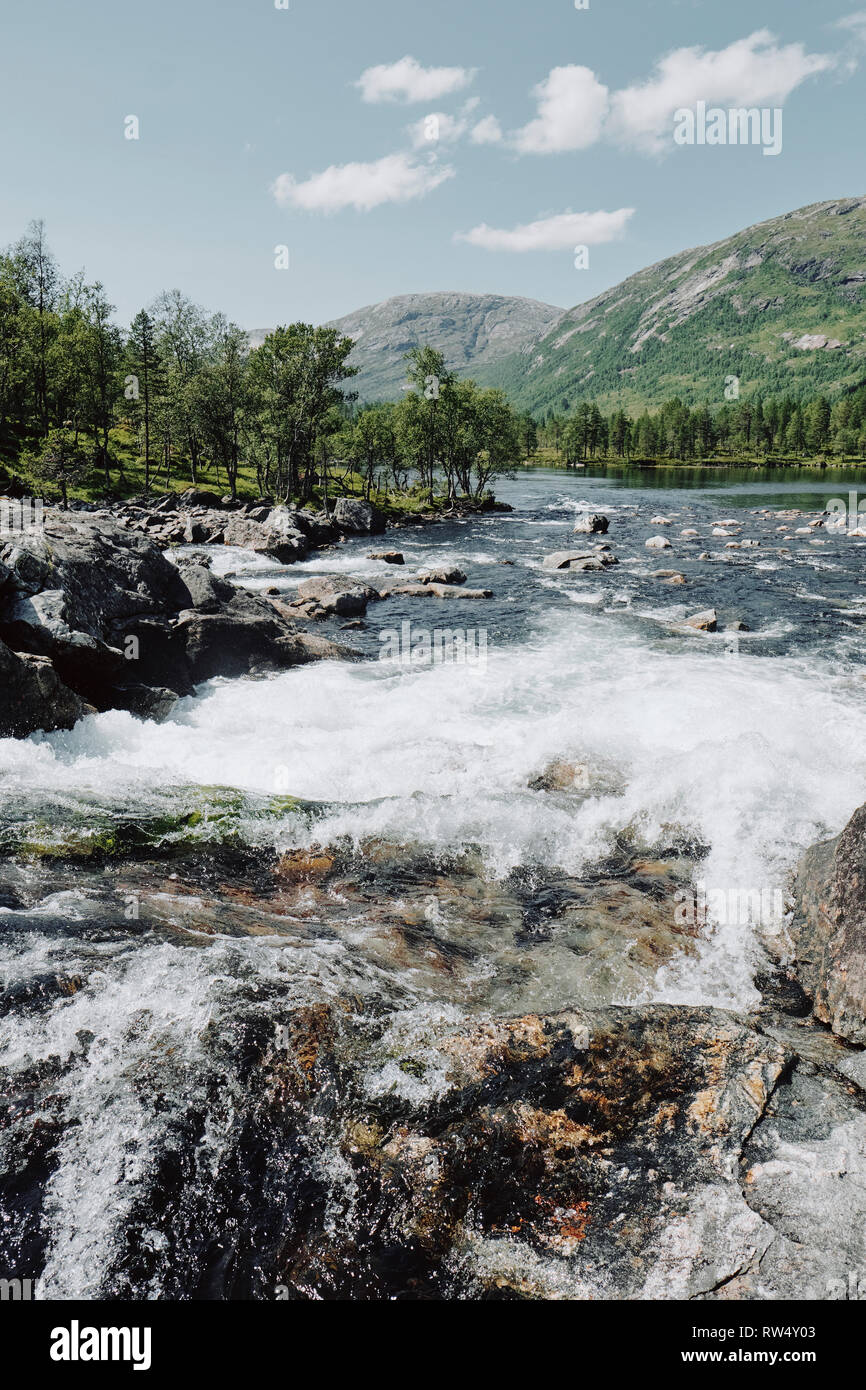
x=534, y=978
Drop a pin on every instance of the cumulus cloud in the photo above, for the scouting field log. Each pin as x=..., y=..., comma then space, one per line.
x=559, y=233
x=488, y=131
x=575, y=109
x=754, y=71
x=396, y=178
x=572, y=106
x=408, y=81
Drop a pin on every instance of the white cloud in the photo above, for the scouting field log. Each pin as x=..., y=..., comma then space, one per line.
x=754, y=71
x=397, y=178
x=572, y=106
x=558, y=233
x=855, y=22
x=488, y=131
x=408, y=81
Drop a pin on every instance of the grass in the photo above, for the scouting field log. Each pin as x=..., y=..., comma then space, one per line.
x=128, y=480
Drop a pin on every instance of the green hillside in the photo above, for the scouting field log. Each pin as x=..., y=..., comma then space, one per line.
x=781, y=305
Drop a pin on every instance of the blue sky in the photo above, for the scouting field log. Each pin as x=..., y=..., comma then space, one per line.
x=262, y=126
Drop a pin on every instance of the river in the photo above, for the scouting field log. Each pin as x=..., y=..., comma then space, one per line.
x=136, y=995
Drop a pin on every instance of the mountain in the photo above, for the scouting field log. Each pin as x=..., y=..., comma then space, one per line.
x=470, y=329
x=781, y=305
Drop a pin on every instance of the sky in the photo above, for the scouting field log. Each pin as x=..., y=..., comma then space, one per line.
x=310, y=127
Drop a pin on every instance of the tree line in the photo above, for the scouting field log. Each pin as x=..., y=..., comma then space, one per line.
x=768, y=427
x=198, y=402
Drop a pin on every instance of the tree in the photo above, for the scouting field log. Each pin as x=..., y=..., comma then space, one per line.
x=218, y=400
x=39, y=282
x=146, y=365
x=294, y=376
x=61, y=461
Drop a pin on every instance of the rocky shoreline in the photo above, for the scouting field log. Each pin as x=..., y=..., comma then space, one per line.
x=93, y=616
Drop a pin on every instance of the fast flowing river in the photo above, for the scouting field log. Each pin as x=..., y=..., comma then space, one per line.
x=139, y=989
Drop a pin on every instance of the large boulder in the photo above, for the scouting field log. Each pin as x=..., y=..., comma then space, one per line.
x=277, y=537
x=356, y=518
x=32, y=696
x=829, y=929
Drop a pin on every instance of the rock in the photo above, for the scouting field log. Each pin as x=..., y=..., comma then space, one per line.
x=356, y=518
x=704, y=622
x=331, y=595
x=434, y=591
x=446, y=574
x=566, y=776
x=829, y=929
x=578, y=560
x=197, y=497
x=316, y=526
x=203, y=532
x=737, y=626
x=658, y=543
x=660, y=521
x=32, y=696
x=592, y=524
x=277, y=537
x=391, y=557
x=689, y=531
x=121, y=627
x=671, y=576
x=578, y=1155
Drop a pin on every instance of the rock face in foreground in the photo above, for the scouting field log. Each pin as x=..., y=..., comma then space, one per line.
x=829, y=929
x=98, y=616
x=661, y=1152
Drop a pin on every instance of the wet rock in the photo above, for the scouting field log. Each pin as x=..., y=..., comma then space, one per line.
x=445, y=574
x=592, y=524
x=829, y=929
x=578, y=560
x=706, y=621
x=583, y=1154
x=32, y=696
x=564, y=775
x=390, y=557
x=658, y=543
x=327, y=596
x=433, y=590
